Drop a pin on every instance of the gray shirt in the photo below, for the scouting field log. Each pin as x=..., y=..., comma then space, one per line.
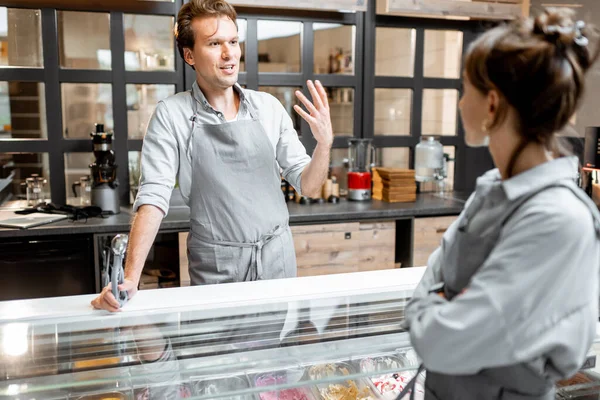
x=167, y=141
x=534, y=299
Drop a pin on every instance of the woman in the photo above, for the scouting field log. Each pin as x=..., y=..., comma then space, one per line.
x=509, y=302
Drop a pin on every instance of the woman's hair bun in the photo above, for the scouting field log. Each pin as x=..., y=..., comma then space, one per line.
x=559, y=27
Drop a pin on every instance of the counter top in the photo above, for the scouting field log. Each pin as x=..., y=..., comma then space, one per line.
x=205, y=297
x=346, y=211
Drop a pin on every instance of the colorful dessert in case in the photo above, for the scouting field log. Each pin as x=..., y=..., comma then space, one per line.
x=395, y=383
x=327, y=370
x=347, y=390
x=391, y=384
x=285, y=394
x=584, y=385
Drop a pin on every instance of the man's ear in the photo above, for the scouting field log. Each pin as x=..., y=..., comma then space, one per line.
x=188, y=56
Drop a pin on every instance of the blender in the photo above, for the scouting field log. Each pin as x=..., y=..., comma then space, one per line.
x=105, y=185
x=361, y=157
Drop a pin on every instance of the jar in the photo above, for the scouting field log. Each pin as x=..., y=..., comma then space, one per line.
x=35, y=189
x=429, y=159
x=85, y=193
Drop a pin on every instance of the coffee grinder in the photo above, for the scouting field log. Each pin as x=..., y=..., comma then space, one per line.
x=361, y=157
x=105, y=185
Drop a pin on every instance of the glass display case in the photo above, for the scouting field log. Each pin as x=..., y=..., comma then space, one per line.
x=327, y=337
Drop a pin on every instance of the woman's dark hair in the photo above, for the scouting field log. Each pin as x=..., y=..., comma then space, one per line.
x=538, y=67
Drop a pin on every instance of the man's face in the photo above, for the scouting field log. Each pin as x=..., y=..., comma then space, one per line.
x=216, y=53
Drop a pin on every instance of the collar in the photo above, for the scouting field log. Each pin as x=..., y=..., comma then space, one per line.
x=201, y=98
x=543, y=175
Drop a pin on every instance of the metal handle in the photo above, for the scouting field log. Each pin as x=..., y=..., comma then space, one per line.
x=373, y=157
x=119, y=247
x=74, y=186
x=105, y=271
x=114, y=276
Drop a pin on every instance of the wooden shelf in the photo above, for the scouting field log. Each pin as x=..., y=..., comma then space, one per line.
x=475, y=9
x=25, y=115
x=24, y=98
x=331, y=5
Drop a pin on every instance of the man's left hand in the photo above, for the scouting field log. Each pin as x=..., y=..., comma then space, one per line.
x=318, y=116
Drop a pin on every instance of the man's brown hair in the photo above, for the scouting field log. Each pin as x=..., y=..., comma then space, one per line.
x=184, y=34
x=538, y=67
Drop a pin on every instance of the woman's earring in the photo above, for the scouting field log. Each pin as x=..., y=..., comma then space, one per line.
x=485, y=125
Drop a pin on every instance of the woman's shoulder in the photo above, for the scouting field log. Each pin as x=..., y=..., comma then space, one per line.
x=557, y=207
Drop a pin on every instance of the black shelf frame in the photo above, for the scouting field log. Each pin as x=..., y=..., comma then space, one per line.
x=469, y=162
x=52, y=76
x=417, y=83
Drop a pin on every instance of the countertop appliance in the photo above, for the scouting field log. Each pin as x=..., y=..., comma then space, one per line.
x=361, y=157
x=105, y=193
x=429, y=159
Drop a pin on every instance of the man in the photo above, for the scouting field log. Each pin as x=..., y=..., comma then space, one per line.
x=226, y=146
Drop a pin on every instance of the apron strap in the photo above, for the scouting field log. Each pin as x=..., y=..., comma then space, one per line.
x=411, y=385
x=569, y=184
x=590, y=205
x=251, y=110
x=193, y=118
x=255, y=271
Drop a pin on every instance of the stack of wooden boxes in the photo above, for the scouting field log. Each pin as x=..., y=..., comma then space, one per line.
x=394, y=185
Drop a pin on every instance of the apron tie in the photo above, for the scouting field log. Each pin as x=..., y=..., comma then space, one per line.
x=255, y=270
x=190, y=141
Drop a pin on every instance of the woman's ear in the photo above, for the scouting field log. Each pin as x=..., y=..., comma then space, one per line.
x=188, y=56
x=493, y=99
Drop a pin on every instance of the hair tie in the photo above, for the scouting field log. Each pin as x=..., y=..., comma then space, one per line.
x=576, y=29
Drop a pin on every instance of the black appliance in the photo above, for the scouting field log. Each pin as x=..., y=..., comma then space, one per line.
x=105, y=185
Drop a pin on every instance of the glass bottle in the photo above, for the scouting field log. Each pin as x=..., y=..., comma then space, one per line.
x=429, y=159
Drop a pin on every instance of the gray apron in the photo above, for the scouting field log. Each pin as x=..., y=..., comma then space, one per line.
x=461, y=261
x=238, y=217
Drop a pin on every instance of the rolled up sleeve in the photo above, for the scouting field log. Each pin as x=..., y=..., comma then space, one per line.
x=291, y=153
x=159, y=162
